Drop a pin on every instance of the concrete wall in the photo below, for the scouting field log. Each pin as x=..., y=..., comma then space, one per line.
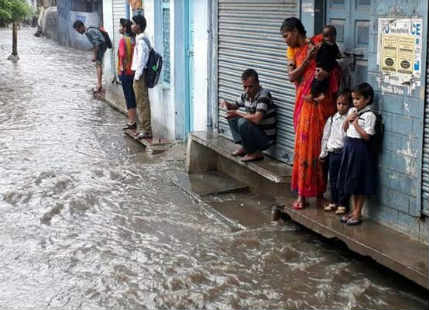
x=398, y=202
x=66, y=17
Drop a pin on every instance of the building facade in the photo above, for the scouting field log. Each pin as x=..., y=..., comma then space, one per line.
x=178, y=30
x=247, y=34
x=207, y=44
x=90, y=12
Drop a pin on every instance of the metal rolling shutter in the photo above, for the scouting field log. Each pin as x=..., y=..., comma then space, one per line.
x=119, y=12
x=249, y=37
x=425, y=172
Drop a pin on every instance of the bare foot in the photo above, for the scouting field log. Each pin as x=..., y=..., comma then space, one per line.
x=253, y=157
x=240, y=152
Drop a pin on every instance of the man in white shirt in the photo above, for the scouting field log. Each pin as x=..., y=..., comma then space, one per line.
x=140, y=58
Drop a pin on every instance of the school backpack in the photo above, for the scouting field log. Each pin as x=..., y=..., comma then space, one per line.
x=376, y=141
x=107, y=40
x=106, y=37
x=153, y=67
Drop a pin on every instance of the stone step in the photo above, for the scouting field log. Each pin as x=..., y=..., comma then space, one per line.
x=269, y=168
x=246, y=209
x=208, y=183
x=388, y=247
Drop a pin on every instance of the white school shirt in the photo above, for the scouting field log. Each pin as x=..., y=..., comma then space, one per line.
x=140, y=56
x=333, y=134
x=366, y=122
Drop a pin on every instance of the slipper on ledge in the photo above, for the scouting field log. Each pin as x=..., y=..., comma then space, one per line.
x=354, y=221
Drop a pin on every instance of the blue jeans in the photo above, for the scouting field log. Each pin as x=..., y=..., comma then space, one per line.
x=127, y=87
x=252, y=138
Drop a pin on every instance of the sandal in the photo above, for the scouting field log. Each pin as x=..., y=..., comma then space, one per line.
x=345, y=218
x=340, y=210
x=144, y=135
x=330, y=207
x=354, y=221
x=239, y=152
x=299, y=205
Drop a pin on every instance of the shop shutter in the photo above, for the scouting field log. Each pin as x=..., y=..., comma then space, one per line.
x=249, y=37
x=119, y=11
x=425, y=170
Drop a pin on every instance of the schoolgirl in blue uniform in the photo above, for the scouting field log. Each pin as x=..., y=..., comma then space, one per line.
x=357, y=171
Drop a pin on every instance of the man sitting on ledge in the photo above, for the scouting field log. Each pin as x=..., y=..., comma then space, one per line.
x=254, y=129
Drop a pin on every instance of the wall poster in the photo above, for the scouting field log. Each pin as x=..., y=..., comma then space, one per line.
x=399, y=53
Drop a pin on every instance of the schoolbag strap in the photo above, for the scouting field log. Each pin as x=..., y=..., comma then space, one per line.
x=147, y=42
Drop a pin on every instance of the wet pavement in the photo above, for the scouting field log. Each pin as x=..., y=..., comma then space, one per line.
x=88, y=220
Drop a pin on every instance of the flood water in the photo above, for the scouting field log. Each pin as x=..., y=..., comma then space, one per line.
x=88, y=220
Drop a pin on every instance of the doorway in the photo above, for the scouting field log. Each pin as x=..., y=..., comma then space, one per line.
x=351, y=19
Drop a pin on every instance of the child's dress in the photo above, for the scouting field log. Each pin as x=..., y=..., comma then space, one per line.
x=357, y=171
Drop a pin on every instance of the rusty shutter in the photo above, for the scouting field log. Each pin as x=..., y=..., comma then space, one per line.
x=249, y=37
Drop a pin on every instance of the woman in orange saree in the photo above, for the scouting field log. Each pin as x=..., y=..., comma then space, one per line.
x=308, y=178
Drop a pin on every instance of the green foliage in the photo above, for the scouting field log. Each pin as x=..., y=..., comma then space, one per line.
x=14, y=10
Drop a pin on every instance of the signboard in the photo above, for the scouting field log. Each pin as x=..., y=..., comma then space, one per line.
x=400, y=50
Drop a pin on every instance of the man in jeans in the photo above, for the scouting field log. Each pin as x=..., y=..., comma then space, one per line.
x=96, y=38
x=254, y=129
x=140, y=58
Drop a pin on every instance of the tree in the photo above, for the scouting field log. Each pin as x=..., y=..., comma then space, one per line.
x=14, y=11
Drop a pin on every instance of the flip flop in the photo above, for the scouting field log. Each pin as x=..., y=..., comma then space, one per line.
x=298, y=205
x=330, y=207
x=353, y=221
x=239, y=152
x=345, y=218
x=340, y=210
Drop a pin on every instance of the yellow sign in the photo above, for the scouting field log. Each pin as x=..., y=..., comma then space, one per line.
x=398, y=53
x=400, y=50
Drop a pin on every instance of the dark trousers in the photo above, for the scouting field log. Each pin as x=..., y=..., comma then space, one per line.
x=249, y=135
x=127, y=86
x=337, y=194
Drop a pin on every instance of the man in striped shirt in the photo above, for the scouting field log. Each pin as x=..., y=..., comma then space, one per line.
x=254, y=129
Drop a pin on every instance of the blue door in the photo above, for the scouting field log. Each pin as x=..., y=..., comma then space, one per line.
x=189, y=64
x=351, y=18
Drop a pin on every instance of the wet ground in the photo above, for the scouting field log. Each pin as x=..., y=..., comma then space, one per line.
x=88, y=220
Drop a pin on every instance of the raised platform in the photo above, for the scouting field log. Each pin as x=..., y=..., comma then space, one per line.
x=271, y=169
x=209, y=152
x=388, y=247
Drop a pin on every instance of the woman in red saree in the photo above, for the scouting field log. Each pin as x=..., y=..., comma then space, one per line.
x=308, y=178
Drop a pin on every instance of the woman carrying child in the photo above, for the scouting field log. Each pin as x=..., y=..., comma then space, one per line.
x=309, y=117
x=332, y=151
x=357, y=171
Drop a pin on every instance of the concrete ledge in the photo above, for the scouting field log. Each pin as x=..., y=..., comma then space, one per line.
x=390, y=248
x=270, y=169
x=115, y=98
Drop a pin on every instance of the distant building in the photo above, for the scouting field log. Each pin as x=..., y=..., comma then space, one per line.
x=89, y=12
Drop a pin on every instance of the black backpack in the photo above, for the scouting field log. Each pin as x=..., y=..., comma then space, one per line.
x=153, y=67
x=107, y=40
x=376, y=141
x=106, y=37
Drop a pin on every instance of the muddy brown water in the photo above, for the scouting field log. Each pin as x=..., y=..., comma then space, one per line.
x=88, y=220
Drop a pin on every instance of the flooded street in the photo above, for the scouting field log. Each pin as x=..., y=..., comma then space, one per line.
x=89, y=220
